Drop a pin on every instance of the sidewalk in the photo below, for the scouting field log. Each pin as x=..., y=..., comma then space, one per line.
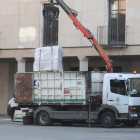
x=5, y=119
x=4, y=115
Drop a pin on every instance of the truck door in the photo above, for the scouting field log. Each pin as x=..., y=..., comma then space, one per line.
x=117, y=95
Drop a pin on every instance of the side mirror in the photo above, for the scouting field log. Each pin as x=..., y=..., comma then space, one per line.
x=134, y=91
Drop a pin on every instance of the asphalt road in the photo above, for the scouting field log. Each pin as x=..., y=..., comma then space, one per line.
x=17, y=131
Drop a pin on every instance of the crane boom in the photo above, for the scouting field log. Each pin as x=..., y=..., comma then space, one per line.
x=108, y=62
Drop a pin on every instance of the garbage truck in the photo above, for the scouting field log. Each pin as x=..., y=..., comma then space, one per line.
x=68, y=97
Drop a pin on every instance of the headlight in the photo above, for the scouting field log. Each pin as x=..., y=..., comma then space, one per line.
x=134, y=115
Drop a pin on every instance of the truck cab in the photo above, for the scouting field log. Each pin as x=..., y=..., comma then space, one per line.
x=122, y=93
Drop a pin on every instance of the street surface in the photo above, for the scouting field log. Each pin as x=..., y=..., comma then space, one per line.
x=17, y=131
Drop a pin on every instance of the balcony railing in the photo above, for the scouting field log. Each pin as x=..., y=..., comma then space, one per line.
x=114, y=35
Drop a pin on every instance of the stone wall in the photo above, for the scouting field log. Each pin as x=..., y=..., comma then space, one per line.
x=4, y=77
x=19, y=23
x=133, y=22
x=91, y=13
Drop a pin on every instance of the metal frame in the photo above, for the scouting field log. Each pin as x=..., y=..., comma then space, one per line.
x=103, y=36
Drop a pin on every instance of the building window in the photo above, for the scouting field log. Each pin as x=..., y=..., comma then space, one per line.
x=50, y=31
x=117, y=14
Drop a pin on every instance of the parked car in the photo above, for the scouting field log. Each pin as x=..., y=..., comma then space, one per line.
x=12, y=106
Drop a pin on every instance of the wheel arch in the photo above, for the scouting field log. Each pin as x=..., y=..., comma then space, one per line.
x=47, y=109
x=108, y=108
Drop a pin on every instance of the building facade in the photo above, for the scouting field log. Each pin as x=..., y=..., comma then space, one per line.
x=114, y=23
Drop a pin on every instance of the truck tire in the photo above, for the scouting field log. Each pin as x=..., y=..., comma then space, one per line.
x=66, y=123
x=108, y=120
x=28, y=120
x=44, y=119
x=131, y=123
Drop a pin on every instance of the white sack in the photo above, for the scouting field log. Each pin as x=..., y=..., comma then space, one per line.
x=48, y=59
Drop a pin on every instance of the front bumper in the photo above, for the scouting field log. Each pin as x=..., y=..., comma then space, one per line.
x=134, y=114
x=8, y=110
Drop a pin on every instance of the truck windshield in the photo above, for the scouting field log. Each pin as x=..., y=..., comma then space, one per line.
x=135, y=86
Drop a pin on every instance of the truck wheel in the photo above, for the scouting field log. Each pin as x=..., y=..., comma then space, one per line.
x=131, y=123
x=44, y=119
x=28, y=120
x=66, y=123
x=108, y=120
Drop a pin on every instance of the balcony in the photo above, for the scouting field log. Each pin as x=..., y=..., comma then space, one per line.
x=112, y=35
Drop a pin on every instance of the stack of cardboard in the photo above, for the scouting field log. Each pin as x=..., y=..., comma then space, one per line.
x=48, y=59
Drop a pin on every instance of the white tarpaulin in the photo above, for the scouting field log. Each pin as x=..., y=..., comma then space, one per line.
x=48, y=59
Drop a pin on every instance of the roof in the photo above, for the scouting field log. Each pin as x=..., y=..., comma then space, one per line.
x=122, y=75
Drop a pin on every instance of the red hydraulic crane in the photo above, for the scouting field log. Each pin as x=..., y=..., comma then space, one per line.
x=72, y=14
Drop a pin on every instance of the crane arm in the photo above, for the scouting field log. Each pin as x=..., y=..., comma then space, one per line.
x=108, y=63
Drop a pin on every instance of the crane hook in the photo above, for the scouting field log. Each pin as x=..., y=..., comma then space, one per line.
x=51, y=12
